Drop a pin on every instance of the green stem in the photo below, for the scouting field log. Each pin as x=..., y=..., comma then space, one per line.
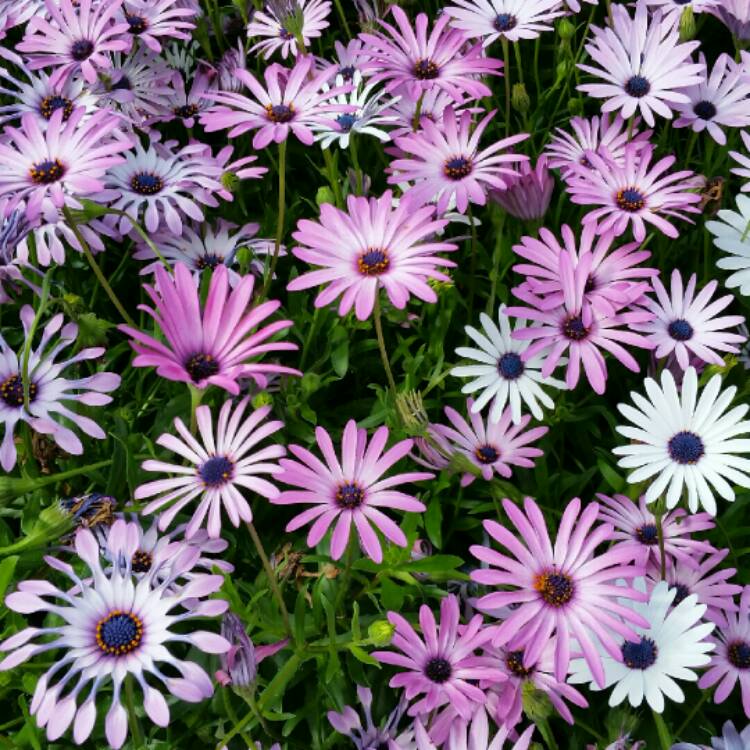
x=519, y=60
x=693, y=711
x=472, y=264
x=196, y=396
x=141, y=232
x=537, y=79
x=342, y=16
x=25, y=381
x=381, y=343
x=347, y=577
x=333, y=178
x=232, y=714
x=496, y=257
x=135, y=725
x=279, y=221
x=308, y=338
x=506, y=71
x=417, y=113
x=355, y=164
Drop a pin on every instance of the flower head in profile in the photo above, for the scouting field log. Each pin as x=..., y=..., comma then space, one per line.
x=116, y=627
x=730, y=738
x=731, y=235
x=735, y=14
x=528, y=194
x=685, y=441
x=151, y=21
x=672, y=10
x=351, y=492
x=284, y=23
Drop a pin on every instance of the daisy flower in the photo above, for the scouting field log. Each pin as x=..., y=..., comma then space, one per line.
x=731, y=231
x=115, y=627
x=408, y=57
x=441, y=665
x=351, y=492
x=635, y=193
x=74, y=38
x=502, y=372
x=350, y=58
x=564, y=592
x=50, y=391
x=527, y=196
x=221, y=462
x=493, y=447
x=445, y=164
x=743, y=160
x=672, y=10
x=185, y=102
x=292, y=101
x=369, y=246
x=670, y=647
x=730, y=739
x=150, y=21
x=686, y=324
x=284, y=23
x=686, y=441
x=643, y=63
x=719, y=100
x=735, y=14
x=490, y=20
x=433, y=105
x=210, y=344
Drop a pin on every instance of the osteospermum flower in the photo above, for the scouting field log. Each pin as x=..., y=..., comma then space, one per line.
x=74, y=37
x=563, y=592
x=672, y=10
x=409, y=113
x=635, y=193
x=211, y=344
x=408, y=57
x=743, y=160
x=352, y=492
x=115, y=628
x=731, y=231
x=735, y=14
x=441, y=665
x=49, y=390
x=527, y=195
x=672, y=645
x=686, y=441
x=284, y=23
x=369, y=246
x=730, y=739
x=187, y=102
x=686, y=324
x=445, y=164
x=150, y=21
x=350, y=58
x=643, y=63
x=221, y=462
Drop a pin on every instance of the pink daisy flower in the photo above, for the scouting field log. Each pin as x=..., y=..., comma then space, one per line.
x=431, y=105
x=635, y=193
x=445, y=164
x=350, y=492
x=527, y=196
x=76, y=38
x=441, y=665
x=565, y=592
x=187, y=102
x=408, y=57
x=369, y=246
x=221, y=463
x=276, y=22
x=686, y=325
x=350, y=58
x=492, y=447
x=643, y=63
x=151, y=21
x=210, y=344
x=576, y=327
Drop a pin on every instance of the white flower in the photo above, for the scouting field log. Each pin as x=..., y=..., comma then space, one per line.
x=499, y=372
x=685, y=441
x=732, y=235
x=669, y=649
x=743, y=160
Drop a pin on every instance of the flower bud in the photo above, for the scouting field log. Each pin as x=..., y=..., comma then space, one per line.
x=261, y=399
x=536, y=704
x=325, y=195
x=520, y=100
x=381, y=632
x=412, y=413
x=238, y=665
x=566, y=30
x=687, y=24
x=230, y=181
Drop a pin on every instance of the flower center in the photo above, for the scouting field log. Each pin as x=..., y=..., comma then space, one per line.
x=201, y=366
x=682, y=593
x=426, y=70
x=217, y=471
x=573, y=328
x=285, y=34
x=438, y=669
x=630, y=199
x=647, y=534
x=146, y=183
x=705, y=110
x=350, y=495
x=11, y=391
x=347, y=72
x=641, y=655
x=136, y=24
x=346, y=122
x=50, y=104
x=119, y=633
x=487, y=454
x=686, y=448
x=637, y=86
x=510, y=366
x=505, y=22
x=680, y=330
x=738, y=653
x=373, y=262
x=458, y=168
x=123, y=84
x=81, y=50
x=514, y=663
x=186, y=111
x=279, y=113
x=556, y=588
x=141, y=561
x=209, y=260
x=46, y=172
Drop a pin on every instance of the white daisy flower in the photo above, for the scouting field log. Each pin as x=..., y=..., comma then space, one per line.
x=670, y=649
x=685, y=441
x=731, y=233
x=499, y=372
x=743, y=160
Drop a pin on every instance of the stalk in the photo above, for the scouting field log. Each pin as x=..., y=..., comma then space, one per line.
x=279, y=222
x=381, y=344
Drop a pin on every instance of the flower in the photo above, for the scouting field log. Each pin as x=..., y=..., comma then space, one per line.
x=115, y=627
x=719, y=99
x=76, y=38
x=49, y=390
x=731, y=231
x=643, y=63
x=493, y=447
x=369, y=246
x=410, y=113
x=212, y=345
x=731, y=739
x=735, y=14
x=221, y=463
x=149, y=21
x=410, y=58
x=744, y=161
x=502, y=373
x=441, y=664
x=445, y=162
x=513, y=20
x=670, y=647
x=285, y=23
x=564, y=592
x=672, y=10
x=350, y=492
x=685, y=441
x=527, y=195
x=633, y=194
x=350, y=58
x=187, y=103
x=293, y=100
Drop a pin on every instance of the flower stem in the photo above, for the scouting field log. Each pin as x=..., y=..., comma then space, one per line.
x=355, y=164
x=417, y=113
x=659, y=517
x=472, y=264
x=381, y=344
x=506, y=75
x=346, y=579
x=333, y=178
x=135, y=725
x=693, y=711
x=279, y=221
x=196, y=396
x=25, y=382
x=342, y=16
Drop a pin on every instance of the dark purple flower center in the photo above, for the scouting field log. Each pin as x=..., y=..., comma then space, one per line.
x=346, y=122
x=81, y=50
x=217, y=471
x=510, y=366
x=426, y=70
x=186, y=111
x=285, y=34
x=647, y=534
x=146, y=183
x=738, y=654
x=350, y=496
x=122, y=84
x=50, y=104
x=505, y=22
x=209, y=260
x=347, y=72
x=136, y=24
x=682, y=593
x=280, y=113
x=630, y=199
x=457, y=168
x=373, y=262
x=487, y=454
x=201, y=366
x=141, y=561
x=686, y=447
x=46, y=172
x=637, y=86
x=574, y=329
x=119, y=633
x=705, y=110
x=639, y=655
x=438, y=670
x=680, y=330
x=514, y=663
x=11, y=391
x=556, y=589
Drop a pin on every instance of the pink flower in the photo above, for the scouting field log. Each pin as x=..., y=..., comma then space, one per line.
x=350, y=492
x=273, y=24
x=528, y=194
x=148, y=21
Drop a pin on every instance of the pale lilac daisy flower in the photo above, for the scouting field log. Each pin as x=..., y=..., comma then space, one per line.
x=151, y=21
x=431, y=106
x=17, y=12
x=14, y=268
x=187, y=102
x=284, y=23
x=350, y=58
x=672, y=10
x=735, y=14
x=730, y=739
x=744, y=162
x=731, y=231
x=527, y=195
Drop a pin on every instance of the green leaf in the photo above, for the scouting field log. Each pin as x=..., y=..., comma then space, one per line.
x=433, y=521
x=361, y=655
x=613, y=479
x=435, y=564
x=7, y=568
x=665, y=737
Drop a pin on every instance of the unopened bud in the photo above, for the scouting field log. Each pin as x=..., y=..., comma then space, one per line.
x=536, y=704
x=687, y=24
x=324, y=195
x=381, y=632
x=566, y=30
x=230, y=181
x=410, y=408
x=238, y=665
x=520, y=98
x=261, y=399
x=575, y=106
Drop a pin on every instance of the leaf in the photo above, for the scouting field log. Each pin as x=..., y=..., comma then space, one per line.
x=613, y=479
x=435, y=564
x=361, y=655
x=433, y=520
x=665, y=737
x=340, y=351
x=7, y=568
